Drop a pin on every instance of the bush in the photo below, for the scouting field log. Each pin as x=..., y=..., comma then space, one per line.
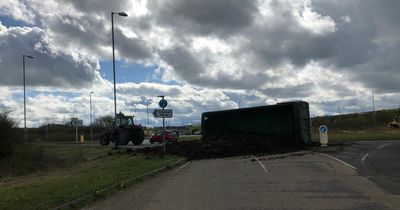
x=8, y=135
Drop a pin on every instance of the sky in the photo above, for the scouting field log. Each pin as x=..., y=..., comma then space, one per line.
x=203, y=55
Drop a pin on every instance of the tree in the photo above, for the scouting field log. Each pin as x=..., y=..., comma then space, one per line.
x=103, y=121
x=8, y=134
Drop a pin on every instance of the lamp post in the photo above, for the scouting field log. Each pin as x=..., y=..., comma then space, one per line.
x=239, y=104
x=147, y=105
x=134, y=115
x=23, y=71
x=123, y=14
x=91, y=118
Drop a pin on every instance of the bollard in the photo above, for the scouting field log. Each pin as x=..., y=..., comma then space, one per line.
x=323, y=135
x=82, y=139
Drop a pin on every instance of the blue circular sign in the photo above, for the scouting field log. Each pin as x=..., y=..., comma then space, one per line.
x=163, y=103
x=323, y=128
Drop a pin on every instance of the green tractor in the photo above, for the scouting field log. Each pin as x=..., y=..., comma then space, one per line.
x=123, y=131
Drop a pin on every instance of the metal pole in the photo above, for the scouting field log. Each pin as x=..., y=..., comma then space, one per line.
x=23, y=70
x=113, y=53
x=91, y=119
x=163, y=122
x=373, y=106
x=148, y=122
x=115, y=92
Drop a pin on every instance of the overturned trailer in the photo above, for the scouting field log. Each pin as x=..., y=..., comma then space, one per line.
x=283, y=123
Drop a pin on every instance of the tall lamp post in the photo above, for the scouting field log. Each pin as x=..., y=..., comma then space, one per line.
x=23, y=71
x=91, y=118
x=123, y=14
x=147, y=105
x=134, y=115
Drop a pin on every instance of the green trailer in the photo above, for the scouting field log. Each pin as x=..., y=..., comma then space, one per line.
x=288, y=122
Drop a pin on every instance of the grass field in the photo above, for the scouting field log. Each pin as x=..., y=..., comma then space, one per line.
x=189, y=137
x=366, y=135
x=93, y=171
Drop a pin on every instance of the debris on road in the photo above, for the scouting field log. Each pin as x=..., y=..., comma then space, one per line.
x=223, y=147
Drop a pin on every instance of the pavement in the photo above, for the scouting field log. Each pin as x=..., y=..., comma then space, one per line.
x=379, y=161
x=297, y=181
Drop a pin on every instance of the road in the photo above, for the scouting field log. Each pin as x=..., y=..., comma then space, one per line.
x=379, y=161
x=308, y=181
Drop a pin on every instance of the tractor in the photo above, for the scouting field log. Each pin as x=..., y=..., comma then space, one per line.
x=395, y=123
x=124, y=130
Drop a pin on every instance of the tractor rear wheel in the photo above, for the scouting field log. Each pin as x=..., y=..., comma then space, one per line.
x=123, y=138
x=104, y=140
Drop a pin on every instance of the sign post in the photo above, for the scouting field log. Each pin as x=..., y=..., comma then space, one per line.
x=160, y=113
x=76, y=123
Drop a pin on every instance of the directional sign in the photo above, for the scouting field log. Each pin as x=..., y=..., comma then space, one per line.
x=76, y=122
x=163, y=103
x=323, y=128
x=162, y=113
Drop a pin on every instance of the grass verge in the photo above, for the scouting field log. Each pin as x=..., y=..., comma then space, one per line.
x=366, y=135
x=46, y=190
x=189, y=137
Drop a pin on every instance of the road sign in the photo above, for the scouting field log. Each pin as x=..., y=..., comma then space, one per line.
x=163, y=103
x=323, y=128
x=162, y=113
x=76, y=122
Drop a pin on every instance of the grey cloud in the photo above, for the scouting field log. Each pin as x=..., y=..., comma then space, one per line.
x=189, y=68
x=48, y=68
x=82, y=33
x=367, y=47
x=298, y=91
x=91, y=6
x=132, y=48
x=205, y=17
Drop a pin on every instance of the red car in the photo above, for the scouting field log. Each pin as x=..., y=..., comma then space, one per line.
x=170, y=136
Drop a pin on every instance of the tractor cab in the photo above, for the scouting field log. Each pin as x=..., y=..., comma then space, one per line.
x=123, y=120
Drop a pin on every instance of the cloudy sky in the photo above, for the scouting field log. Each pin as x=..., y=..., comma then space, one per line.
x=202, y=54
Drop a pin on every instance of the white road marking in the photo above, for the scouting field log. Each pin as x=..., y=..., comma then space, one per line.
x=349, y=153
x=341, y=161
x=183, y=166
x=385, y=145
x=363, y=158
x=261, y=164
x=354, y=149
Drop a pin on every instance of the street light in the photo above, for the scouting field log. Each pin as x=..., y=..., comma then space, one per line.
x=147, y=104
x=123, y=14
x=91, y=123
x=134, y=115
x=23, y=71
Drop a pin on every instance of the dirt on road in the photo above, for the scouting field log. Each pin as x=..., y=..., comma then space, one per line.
x=224, y=147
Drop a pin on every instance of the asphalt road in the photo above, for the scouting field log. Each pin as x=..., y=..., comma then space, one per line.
x=309, y=181
x=379, y=161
